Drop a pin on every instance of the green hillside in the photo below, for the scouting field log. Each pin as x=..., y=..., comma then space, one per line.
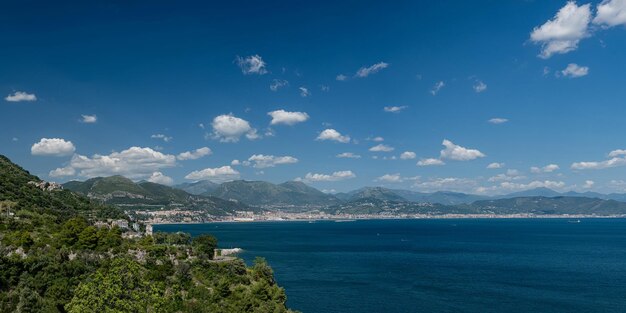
x=54, y=257
x=264, y=193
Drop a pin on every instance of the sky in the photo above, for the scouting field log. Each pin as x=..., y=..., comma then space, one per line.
x=486, y=97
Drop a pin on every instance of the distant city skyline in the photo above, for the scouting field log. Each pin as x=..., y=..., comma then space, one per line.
x=476, y=97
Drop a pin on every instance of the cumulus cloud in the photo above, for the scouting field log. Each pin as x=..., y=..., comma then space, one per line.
x=134, y=162
x=287, y=118
x=588, y=184
x=333, y=135
x=390, y=178
x=162, y=137
x=562, y=33
x=218, y=174
x=160, y=178
x=532, y=185
x=194, y=155
x=381, y=148
x=336, y=176
x=430, y=162
x=341, y=77
x=546, y=169
x=408, y=155
x=479, y=86
x=235, y=162
x=53, y=147
x=458, y=153
x=265, y=161
x=89, y=118
x=437, y=87
x=304, y=92
x=376, y=139
x=253, y=64
x=229, y=128
x=348, y=155
x=598, y=165
x=20, y=96
x=611, y=13
x=367, y=71
x=278, y=84
x=395, y=109
x=447, y=183
x=498, y=120
x=495, y=165
x=616, y=153
x=63, y=172
x=510, y=175
x=574, y=70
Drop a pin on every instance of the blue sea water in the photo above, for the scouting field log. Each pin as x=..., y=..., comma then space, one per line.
x=464, y=265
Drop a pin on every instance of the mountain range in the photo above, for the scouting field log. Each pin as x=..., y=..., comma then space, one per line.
x=122, y=191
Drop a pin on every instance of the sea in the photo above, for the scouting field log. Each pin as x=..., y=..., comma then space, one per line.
x=438, y=265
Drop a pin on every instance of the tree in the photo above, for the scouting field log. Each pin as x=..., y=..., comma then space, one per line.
x=71, y=230
x=88, y=238
x=204, y=246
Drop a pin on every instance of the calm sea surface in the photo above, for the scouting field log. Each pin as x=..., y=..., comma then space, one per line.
x=467, y=265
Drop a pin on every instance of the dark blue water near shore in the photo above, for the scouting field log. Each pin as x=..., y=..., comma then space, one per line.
x=513, y=265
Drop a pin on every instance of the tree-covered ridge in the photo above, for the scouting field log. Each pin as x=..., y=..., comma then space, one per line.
x=58, y=255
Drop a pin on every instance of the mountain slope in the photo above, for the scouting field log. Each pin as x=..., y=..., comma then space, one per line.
x=199, y=187
x=379, y=193
x=264, y=193
x=550, y=205
x=123, y=191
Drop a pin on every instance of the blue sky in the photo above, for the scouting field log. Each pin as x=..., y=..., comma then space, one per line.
x=532, y=88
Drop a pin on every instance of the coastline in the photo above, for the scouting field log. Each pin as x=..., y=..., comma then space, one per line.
x=415, y=217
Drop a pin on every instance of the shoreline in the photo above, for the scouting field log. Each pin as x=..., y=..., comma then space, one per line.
x=432, y=217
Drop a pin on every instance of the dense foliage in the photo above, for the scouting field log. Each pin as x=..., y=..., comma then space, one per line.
x=54, y=257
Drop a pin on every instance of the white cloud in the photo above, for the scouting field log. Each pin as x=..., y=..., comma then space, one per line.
x=194, y=155
x=573, y=70
x=53, y=147
x=563, y=33
x=348, y=155
x=253, y=64
x=304, y=92
x=616, y=153
x=331, y=134
x=336, y=176
x=395, y=109
x=498, y=120
x=611, y=13
x=341, y=77
x=390, y=178
x=546, y=169
x=287, y=118
x=588, y=184
x=89, y=118
x=159, y=178
x=278, y=83
x=381, y=148
x=235, y=162
x=20, y=96
x=430, y=162
x=532, y=185
x=366, y=71
x=408, y=155
x=219, y=174
x=479, y=87
x=134, y=162
x=598, y=165
x=495, y=165
x=456, y=152
x=448, y=183
x=437, y=87
x=229, y=128
x=265, y=161
x=162, y=137
x=376, y=139
x=510, y=175
x=63, y=172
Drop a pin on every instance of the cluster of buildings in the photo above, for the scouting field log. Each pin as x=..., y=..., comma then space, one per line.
x=46, y=186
